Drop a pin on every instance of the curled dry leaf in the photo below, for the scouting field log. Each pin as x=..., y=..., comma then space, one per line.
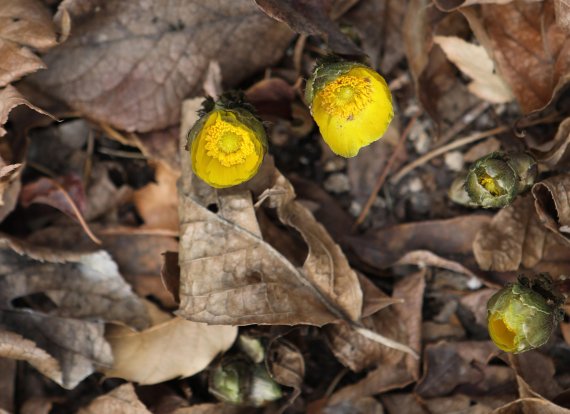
x=78, y=286
x=129, y=64
x=515, y=237
x=10, y=186
x=230, y=275
x=474, y=61
x=555, y=152
x=552, y=205
x=24, y=24
x=286, y=365
x=170, y=348
x=9, y=99
x=310, y=17
x=531, y=51
x=122, y=400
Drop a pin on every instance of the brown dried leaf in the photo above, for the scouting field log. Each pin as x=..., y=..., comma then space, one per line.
x=220, y=408
x=450, y=364
x=230, y=275
x=552, y=202
x=157, y=203
x=532, y=53
x=129, y=64
x=562, y=11
x=9, y=99
x=474, y=62
x=514, y=238
x=365, y=405
x=555, y=152
x=170, y=348
x=384, y=247
x=122, y=400
x=310, y=17
x=23, y=24
x=400, y=322
x=450, y=5
x=286, y=365
x=14, y=346
x=10, y=186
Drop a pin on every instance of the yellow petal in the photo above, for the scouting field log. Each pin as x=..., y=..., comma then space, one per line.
x=353, y=111
x=502, y=334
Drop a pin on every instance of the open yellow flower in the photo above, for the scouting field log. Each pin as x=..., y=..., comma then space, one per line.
x=227, y=147
x=520, y=318
x=351, y=104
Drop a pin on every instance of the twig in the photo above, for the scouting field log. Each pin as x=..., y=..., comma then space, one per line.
x=122, y=154
x=442, y=150
x=465, y=120
x=382, y=177
x=335, y=381
x=298, y=54
x=376, y=337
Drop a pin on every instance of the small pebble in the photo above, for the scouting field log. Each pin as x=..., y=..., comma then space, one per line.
x=335, y=164
x=454, y=160
x=337, y=183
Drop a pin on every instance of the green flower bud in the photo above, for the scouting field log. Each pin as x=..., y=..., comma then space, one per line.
x=522, y=316
x=496, y=179
x=239, y=381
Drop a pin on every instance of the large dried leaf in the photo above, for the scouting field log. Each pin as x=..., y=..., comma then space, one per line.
x=14, y=346
x=130, y=64
x=23, y=24
x=474, y=61
x=310, y=17
x=122, y=400
x=230, y=275
x=552, y=201
x=79, y=286
x=514, y=238
x=170, y=348
x=532, y=52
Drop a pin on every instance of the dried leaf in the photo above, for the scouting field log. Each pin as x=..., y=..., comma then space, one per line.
x=562, y=11
x=450, y=5
x=474, y=61
x=23, y=24
x=230, y=275
x=169, y=349
x=78, y=286
x=129, y=64
x=14, y=346
x=532, y=53
x=8, y=368
x=310, y=17
x=9, y=99
x=220, y=408
x=157, y=203
x=10, y=186
x=552, y=205
x=286, y=365
x=555, y=152
x=445, y=238
x=122, y=400
x=514, y=238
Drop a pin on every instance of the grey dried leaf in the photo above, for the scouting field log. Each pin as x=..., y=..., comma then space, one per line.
x=122, y=400
x=24, y=24
x=130, y=64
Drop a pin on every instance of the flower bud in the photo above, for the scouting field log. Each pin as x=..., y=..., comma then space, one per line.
x=522, y=316
x=495, y=180
x=351, y=104
x=239, y=381
x=227, y=143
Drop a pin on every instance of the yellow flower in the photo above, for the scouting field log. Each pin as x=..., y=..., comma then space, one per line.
x=227, y=146
x=351, y=104
x=520, y=318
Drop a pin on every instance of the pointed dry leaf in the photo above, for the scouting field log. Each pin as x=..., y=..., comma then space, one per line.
x=10, y=186
x=122, y=400
x=9, y=99
x=130, y=64
x=14, y=346
x=530, y=403
x=562, y=10
x=556, y=151
x=516, y=237
x=170, y=348
x=310, y=17
x=474, y=61
x=532, y=52
x=23, y=24
x=552, y=203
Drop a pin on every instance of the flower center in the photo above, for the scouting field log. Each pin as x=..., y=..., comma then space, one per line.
x=491, y=185
x=502, y=334
x=346, y=96
x=227, y=143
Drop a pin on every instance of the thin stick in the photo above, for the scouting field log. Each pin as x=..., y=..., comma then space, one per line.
x=442, y=150
x=471, y=115
x=382, y=177
x=376, y=337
